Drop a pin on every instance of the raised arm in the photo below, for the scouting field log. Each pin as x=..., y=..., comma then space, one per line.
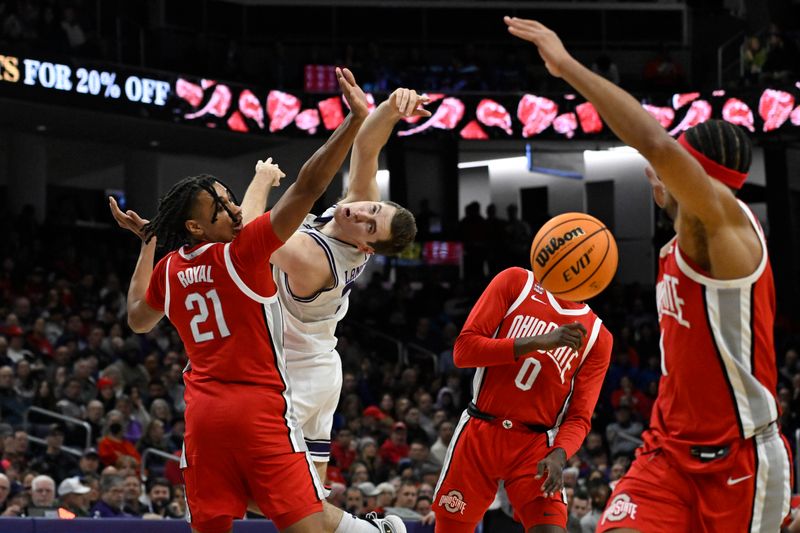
x=371, y=138
x=141, y=316
x=319, y=170
x=256, y=196
x=684, y=178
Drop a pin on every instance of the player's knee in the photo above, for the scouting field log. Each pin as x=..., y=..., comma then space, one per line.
x=445, y=524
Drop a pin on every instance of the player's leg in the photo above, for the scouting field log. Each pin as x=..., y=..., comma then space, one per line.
x=468, y=482
x=215, y=494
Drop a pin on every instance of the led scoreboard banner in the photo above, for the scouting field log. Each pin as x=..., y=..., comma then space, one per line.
x=220, y=105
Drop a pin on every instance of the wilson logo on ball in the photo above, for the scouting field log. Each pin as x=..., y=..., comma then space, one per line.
x=549, y=249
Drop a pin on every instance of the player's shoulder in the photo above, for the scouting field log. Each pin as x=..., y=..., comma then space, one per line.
x=515, y=274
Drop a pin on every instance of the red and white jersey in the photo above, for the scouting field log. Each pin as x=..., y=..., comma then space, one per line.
x=223, y=302
x=717, y=350
x=558, y=388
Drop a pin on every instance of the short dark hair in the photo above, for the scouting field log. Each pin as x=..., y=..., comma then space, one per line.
x=723, y=143
x=403, y=229
x=158, y=482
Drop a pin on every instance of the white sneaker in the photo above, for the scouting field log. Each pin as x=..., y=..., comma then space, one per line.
x=390, y=524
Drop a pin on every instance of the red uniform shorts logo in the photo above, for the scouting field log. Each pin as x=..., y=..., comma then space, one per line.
x=453, y=502
x=620, y=507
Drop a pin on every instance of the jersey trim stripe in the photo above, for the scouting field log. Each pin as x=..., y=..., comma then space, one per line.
x=166, y=287
x=702, y=279
x=772, y=492
x=331, y=264
x=553, y=432
x=729, y=319
x=567, y=312
x=241, y=284
x=318, y=487
x=197, y=252
x=448, y=457
x=722, y=362
x=293, y=432
x=522, y=295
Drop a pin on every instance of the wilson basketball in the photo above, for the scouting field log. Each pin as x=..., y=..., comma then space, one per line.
x=574, y=256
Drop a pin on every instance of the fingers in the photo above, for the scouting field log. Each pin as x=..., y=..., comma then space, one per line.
x=652, y=177
x=540, y=469
x=402, y=103
x=576, y=326
x=348, y=76
x=553, y=482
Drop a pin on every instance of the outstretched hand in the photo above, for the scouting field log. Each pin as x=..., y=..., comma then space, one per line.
x=269, y=171
x=355, y=97
x=550, y=47
x=408, y=103
x=553, y=466
x=129, y=220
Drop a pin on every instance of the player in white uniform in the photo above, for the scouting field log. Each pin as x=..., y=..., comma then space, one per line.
x=315, y=270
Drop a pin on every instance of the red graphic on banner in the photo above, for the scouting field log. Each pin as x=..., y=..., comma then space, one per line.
x=795, y=116
x=699, y=112
x=490, y=113
x=566, y=124
x=282, y=108
x=473, y=131
x=218, y=105
x=589, y=118
x=737, y=112
x=775, y=107
x=536, y=114
x=236, y=122
x=308, y=121
x=449, y=113
x=680, y=100
x=251, y=107
x=189, y=91
x=331, y=111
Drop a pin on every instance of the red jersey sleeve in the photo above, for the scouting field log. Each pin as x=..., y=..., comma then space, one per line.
x=588, y=382
x=476, y=345
x=253, y=246
x=156, y=289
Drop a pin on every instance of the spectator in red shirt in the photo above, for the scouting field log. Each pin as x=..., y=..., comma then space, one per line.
x=396, y=446
x=113, y=445
x=342, y=449
x=637, y=401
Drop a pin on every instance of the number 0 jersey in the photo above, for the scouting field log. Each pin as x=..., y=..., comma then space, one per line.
x=558, y=388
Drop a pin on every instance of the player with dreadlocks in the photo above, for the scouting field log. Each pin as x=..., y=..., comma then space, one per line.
x=217, y=290
x=713, y=436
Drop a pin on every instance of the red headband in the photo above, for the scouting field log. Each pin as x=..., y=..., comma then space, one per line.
x=726, y=175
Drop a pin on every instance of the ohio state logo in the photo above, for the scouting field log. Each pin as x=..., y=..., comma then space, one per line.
x=453, y=502
x=619, y=508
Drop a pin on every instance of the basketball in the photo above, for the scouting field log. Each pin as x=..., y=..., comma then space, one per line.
x=574, y=256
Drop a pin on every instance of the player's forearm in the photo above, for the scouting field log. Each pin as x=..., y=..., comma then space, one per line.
x=620, y=111
x=370, y=140
x=473, y=350
x=138, y=286
x=255, y=198
x=319, y=170
x=571, y=434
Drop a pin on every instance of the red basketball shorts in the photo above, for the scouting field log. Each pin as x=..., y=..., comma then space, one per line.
x=232, y=457
x=664, y=492
x=482, y=454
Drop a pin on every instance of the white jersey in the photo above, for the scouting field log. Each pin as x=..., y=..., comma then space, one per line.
x=310, y=323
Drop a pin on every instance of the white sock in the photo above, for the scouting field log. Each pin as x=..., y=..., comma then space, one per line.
x=351, y=524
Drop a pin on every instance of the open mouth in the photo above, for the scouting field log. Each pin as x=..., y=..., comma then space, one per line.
x=347, y=212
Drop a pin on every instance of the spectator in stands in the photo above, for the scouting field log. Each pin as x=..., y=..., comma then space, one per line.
x=70, y=403
x=89, y=463
x=132, y=373
x=12, y=406
x=473, y=233
x=134, y=415
x=159, y=498
x=580, y=507
x=5, y=492
x=385, y=497
x=74, y=498
x=663, y=72
x=358, y=473
x=420, y=456
x=518, y=236
x=132, y=492
x=406, y=502
x=754, y=55
x=73, y=31
x=112, y=498
x=439, y=448
x=423, y=506
x=342, y=450
x=82, y=372
x=94, y=414
x=370, y=493
x=396, y=446
x=55, y=462
x=414, y=430
x=624, y=434
x=354, y=501
x=43, y=491
x=16, y=346
x=113, y=445
x=781, y=59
